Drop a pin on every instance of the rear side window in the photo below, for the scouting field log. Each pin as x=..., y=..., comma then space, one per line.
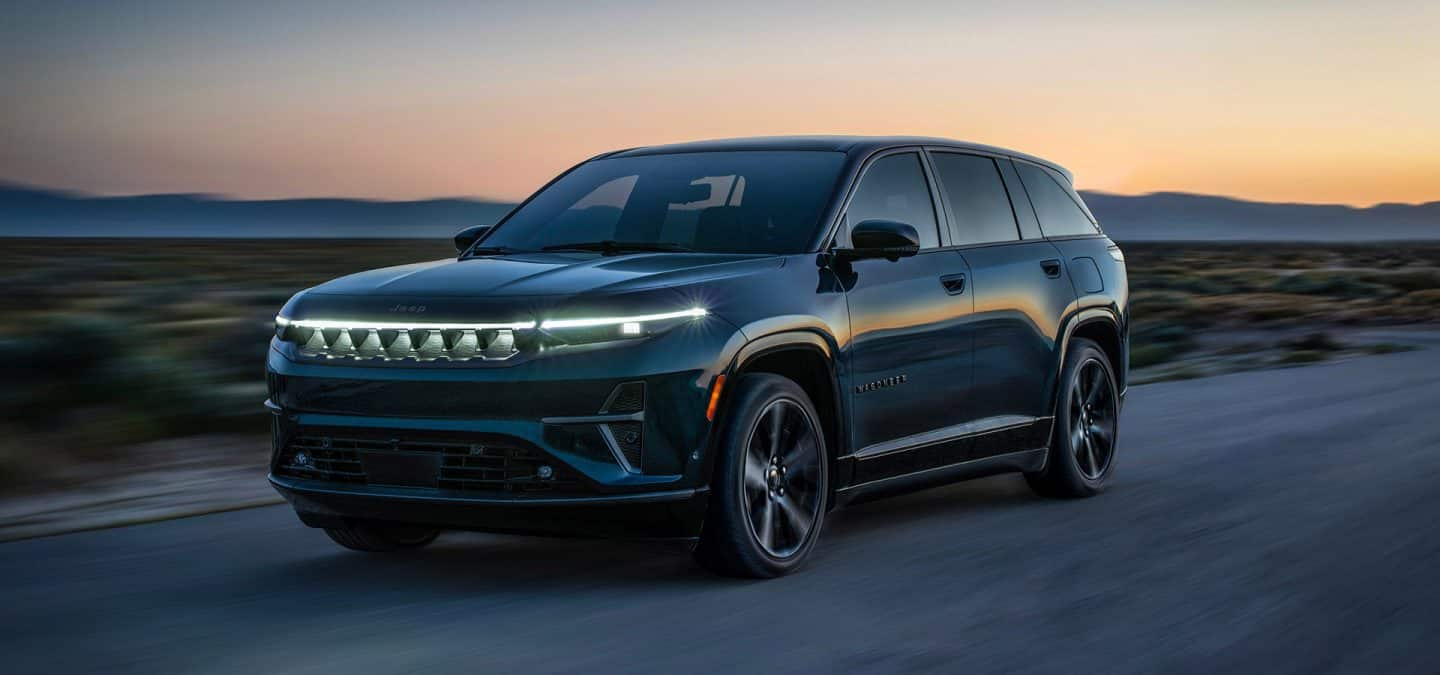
x=1059, y=214
x=978, y=202
x=894, y=188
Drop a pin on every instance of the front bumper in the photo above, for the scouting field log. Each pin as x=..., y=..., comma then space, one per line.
x=664, y=514
x=551, y=445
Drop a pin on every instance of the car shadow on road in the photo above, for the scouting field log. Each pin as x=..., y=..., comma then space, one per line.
x=944, y=504
x=477, y=564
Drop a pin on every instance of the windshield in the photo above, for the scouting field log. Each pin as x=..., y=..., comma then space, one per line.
x=716, y=202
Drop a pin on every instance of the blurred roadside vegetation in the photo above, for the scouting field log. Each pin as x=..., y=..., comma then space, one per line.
x=1185, y=298
x=110, y=343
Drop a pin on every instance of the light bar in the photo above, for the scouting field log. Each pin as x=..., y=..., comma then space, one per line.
x=383, y=325
x=550, y=324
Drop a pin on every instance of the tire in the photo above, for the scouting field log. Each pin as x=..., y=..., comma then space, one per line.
x=1085, y=434
x=381, y=537
x=751, y=479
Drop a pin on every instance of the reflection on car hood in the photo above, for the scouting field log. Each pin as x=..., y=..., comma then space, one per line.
x=546, y=274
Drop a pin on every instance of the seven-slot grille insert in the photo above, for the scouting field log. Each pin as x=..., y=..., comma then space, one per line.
x=423, y=344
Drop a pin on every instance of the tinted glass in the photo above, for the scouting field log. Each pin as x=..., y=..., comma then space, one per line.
x=740, y=202
x=978, y=202
x=1058, y=213
x=894, y=188
x=1024, y=213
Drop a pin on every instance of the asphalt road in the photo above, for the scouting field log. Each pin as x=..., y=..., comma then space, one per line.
x=1279, y=521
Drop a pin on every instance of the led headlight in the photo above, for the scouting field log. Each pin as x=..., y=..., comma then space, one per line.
x=599, y=329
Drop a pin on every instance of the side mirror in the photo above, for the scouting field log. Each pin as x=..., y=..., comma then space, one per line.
x=882, y=239
x=464, y=238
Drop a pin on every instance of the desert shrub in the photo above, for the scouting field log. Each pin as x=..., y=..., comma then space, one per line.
x=1408, y=281
x=1189, y=283
x=97, y=381
x=16, y=461
x=1316, y=342
x=1304, y=356
x=1161, y=332
x=1265, y=307
x=1241, y=280
x=236, y=349
x=1186, y=373
x=1387, y=348
x=1160, y=301
x=1154, y=341
x=1427, y=297
x=1241, y=349
x=1144, y=356
x=1330, y=283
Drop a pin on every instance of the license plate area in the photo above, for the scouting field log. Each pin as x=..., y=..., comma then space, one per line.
x=405, y=469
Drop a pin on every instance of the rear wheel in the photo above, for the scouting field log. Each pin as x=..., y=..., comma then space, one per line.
x=767, y=501
x=381, y=537
x=1086, y=428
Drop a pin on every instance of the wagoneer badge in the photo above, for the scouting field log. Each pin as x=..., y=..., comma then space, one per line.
x=880, y=384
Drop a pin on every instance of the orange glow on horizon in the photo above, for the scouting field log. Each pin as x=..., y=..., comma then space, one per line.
x=492, y=101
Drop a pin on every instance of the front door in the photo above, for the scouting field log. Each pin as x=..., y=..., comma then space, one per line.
x=910, y=346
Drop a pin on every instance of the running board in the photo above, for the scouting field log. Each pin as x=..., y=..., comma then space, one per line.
x=1025, y=460
x=945, y=435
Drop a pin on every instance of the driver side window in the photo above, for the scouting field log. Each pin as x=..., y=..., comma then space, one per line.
x=894, y=188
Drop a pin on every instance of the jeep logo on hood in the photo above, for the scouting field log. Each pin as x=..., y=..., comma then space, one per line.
x=408, y=309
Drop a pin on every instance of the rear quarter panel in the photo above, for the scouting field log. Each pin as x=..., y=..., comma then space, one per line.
x=1100, y=282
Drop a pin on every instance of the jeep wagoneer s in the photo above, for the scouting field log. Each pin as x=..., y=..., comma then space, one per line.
x=713, y=342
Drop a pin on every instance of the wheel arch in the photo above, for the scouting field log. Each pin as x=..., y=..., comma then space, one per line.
x=807, y=359
x=1099, y=325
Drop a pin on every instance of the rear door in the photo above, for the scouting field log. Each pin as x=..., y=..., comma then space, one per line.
x=910, y=346
x=1094, y=263
x=1020, y=290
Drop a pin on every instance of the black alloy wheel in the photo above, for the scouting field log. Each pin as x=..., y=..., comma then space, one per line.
x=1093, y=419
x=782, y=478
x=770, y=487
x=1086, y=432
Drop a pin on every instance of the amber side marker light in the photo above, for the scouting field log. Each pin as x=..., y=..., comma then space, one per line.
x=714, y=397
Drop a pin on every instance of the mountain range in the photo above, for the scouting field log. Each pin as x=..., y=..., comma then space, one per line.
x=36, y=212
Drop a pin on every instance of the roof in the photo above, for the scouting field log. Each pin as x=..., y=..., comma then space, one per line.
x=845, y=144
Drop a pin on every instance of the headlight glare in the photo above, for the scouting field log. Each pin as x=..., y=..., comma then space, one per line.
x=552, y=324
x=600, y=329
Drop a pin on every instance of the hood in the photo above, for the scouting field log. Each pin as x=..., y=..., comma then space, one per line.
x=546, y=274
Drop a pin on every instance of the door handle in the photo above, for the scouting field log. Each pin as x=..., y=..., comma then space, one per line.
x=954, y=283
x=1051, y=267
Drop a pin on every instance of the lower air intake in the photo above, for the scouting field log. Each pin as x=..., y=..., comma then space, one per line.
x=479, y=465
x=629, y=438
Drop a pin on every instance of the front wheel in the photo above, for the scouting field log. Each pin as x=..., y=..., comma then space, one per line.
x=767, y=500
x=1086, y=428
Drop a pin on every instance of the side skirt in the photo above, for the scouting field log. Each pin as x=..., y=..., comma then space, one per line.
x=1024, y=460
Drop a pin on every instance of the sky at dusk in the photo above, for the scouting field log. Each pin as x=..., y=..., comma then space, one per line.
x=1305, y=101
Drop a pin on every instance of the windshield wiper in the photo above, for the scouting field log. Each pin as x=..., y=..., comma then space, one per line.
x=491, y=250
x=612, y=247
